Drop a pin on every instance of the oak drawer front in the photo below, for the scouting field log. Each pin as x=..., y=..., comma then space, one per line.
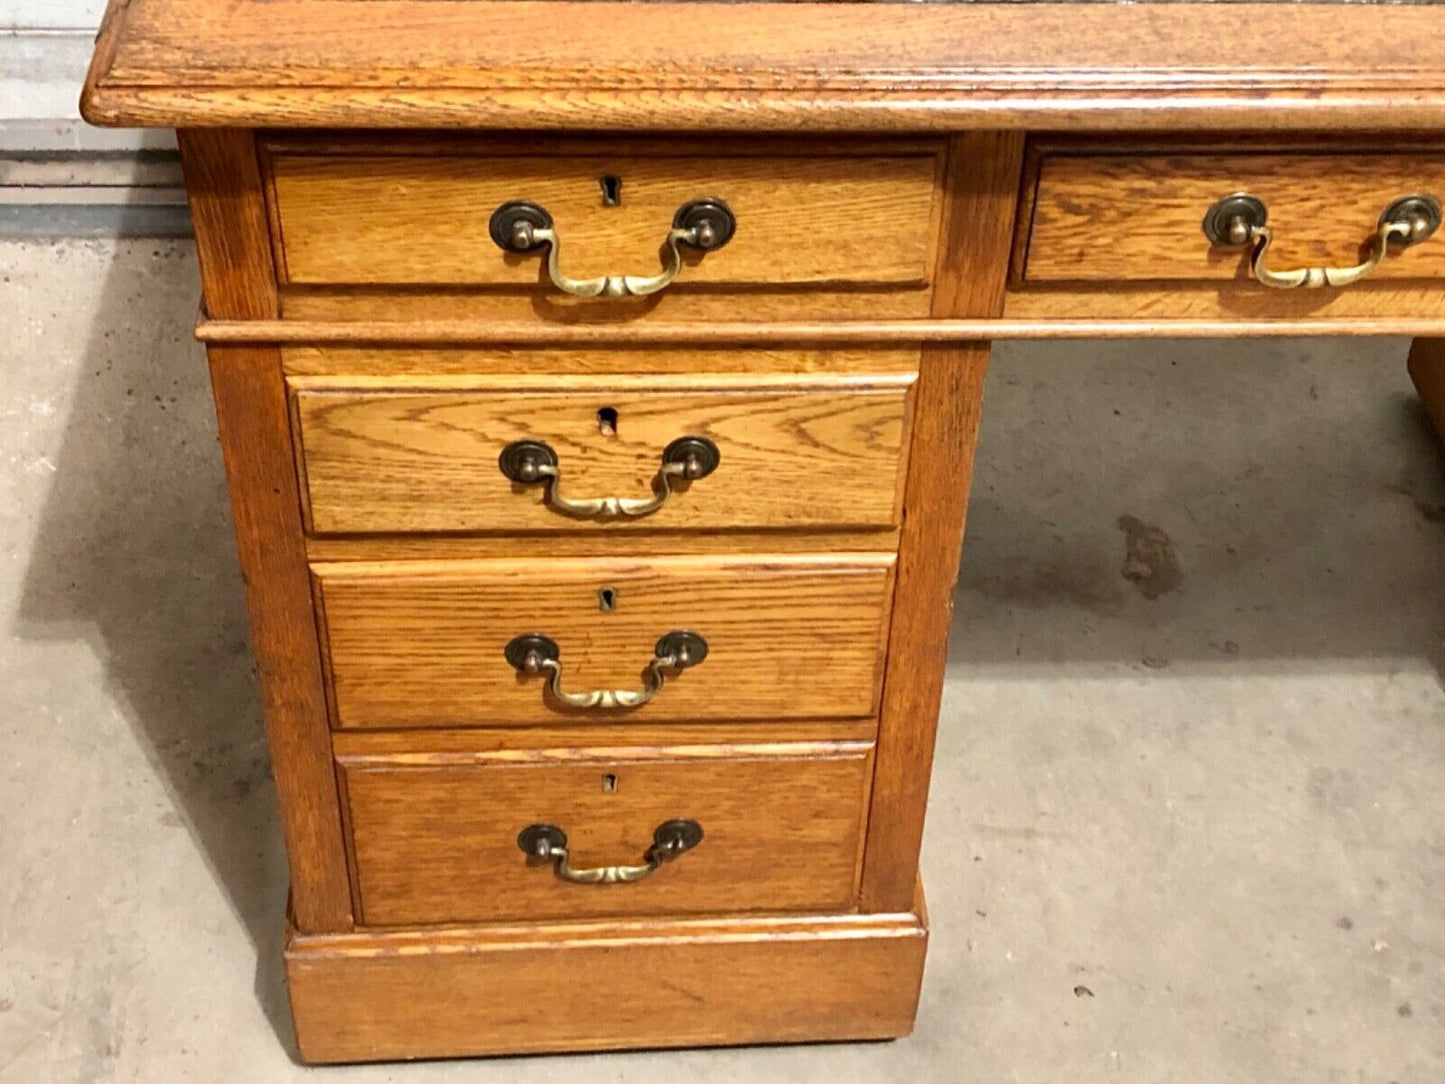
x=418, y=644
x=1136, y=218
x=780, y=831
x=824, y=452
x=373, y=219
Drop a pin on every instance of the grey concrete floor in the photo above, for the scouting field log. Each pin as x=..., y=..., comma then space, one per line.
x=1188, y=821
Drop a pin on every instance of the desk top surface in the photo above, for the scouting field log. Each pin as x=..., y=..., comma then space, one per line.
x=779, y=65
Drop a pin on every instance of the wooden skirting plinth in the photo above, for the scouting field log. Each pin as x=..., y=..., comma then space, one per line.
x=604, y=986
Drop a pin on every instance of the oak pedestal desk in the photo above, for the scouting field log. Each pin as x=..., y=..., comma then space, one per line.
x=598, y=386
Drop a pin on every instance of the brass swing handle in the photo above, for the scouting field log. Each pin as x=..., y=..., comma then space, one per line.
x=548, y=843
x=523, y=227
x=530, y=462
x=1242, y=219
x=533, y=653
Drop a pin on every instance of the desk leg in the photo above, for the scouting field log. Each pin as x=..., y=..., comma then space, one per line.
x=1427, y=369
x=982, y=186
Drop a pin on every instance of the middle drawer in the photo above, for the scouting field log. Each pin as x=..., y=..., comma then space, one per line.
x=515, y=642
x=538, y=453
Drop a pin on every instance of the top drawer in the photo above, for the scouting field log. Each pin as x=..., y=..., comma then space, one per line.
x=1135, y=218
x=362, y=217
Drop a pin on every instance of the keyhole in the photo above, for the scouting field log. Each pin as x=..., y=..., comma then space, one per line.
x=609, y=783
x=607, y=599
x=607, y=421
x=611, y=190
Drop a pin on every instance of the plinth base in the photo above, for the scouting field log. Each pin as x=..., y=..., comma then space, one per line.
x=380, y=996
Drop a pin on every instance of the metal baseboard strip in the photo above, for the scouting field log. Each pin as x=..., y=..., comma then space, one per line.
x=92, y=195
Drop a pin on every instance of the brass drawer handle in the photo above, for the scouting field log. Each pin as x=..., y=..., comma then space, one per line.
x=530, y=462
x=523, y=227
x=548, y=843
x=1242, y=219
x=533, y=653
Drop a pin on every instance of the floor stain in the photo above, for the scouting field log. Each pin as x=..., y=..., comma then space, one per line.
x=1430, y=512
x=1333, y=790
x=1150, y=562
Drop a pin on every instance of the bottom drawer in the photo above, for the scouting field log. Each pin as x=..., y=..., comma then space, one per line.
x=436, y=839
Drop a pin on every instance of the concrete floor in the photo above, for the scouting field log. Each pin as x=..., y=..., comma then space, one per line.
x=1188, y=817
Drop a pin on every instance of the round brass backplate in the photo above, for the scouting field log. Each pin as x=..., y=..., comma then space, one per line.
x=1421, y=213
x=673, y=837
x=712, y=219
x=541, y=840
x=520, y=461
x=518, y=212
x=1229, y=221
x=527, y=652
x=684, y=648
x=698, y=456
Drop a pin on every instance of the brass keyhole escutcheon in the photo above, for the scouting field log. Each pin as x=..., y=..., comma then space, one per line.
x=607, y=599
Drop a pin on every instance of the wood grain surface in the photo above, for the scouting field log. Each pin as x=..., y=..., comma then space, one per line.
x=644, y=542
x=1121, y=218
x=603, y=986
x=782, y=831
x=982, y=189
x=1223, y=310
x=759, y=66
x=795, y=451
x=681, y=305
x=421, y=643
x=423, y=220
x=255, y=434
x=563, y=741
x=228, y=213
x=1036, y=314
x=700, y=358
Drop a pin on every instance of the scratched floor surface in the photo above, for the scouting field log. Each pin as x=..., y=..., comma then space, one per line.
x=1188, y=809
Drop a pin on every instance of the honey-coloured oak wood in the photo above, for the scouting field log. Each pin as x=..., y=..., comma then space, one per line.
x=1214, y=310
x=984, y=173
x=605, y=985
x=225, y=196
x=1137, y=218
x=420, y=220
x=422, y=454
x=766, y=66
x=703, y=357
x=782, y=831
x=1427, y=369
x=789, y=636
x=680, y=305
x=620, y=738
x=1056, y=315
x=643, y=543
x=890, y=224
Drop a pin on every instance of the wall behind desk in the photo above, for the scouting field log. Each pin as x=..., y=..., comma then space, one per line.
x=45, y=48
